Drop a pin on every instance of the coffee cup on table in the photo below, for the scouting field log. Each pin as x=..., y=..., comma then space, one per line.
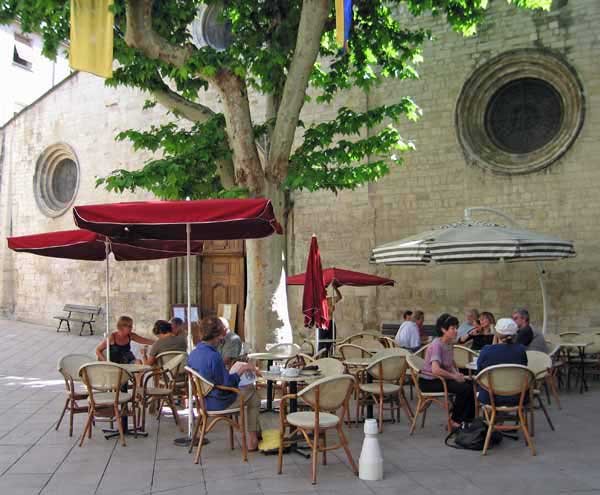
x=274, y=369
x=291, y=372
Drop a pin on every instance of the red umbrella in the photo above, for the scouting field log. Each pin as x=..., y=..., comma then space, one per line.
x=82, y=244
x=340, y=277
x=210, y=219
x=314, y=298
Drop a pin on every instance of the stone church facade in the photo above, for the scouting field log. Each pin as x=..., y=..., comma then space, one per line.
x=509, y=122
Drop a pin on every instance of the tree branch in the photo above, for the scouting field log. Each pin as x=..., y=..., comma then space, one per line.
x=312, y=22
x=195, y=112
x=236, y=108
x=142, y=36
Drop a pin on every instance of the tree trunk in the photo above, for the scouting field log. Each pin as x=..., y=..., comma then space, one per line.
x=267, y=319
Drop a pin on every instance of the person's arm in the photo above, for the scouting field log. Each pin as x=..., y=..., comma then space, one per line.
x=338, y=295
x=100, y=349
x=141, y=340
x=149, y=360
x=437, y=370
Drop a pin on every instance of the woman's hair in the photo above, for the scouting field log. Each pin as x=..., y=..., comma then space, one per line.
x=162, y=326
x=507, y=339
x=125, y=321
x=210, y=328
x=438, y=324
x=489, y=316
x=451, y=321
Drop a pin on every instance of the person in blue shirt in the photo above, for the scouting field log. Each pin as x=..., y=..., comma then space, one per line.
x=207, y=361
x=507, y=351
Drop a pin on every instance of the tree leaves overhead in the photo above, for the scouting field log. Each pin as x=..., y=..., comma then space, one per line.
x=344, y=153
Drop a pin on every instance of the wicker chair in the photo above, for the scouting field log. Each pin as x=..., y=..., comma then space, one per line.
x=68, y=367
x=330, y=367
x=349, y=351
x=425, y=399
x=164, y=390
x=506, y=380
x=463, y=356
x=388, y=372
x=540, y=364
x=180, y=390
x=325, y=396
x=206, y=421
x=105, y=383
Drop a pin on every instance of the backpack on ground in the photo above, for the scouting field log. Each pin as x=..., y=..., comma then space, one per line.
x=471, y=436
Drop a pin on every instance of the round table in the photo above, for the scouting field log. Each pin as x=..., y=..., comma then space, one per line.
x=362, y=362
x=269, y=357
x=293, y=383
x=580, y=346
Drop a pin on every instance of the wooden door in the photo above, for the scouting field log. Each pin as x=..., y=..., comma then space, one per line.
x=223, y=279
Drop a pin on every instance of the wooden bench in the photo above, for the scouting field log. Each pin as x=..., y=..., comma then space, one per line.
x=78, y=313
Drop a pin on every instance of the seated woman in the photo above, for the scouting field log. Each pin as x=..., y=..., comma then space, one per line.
x=507, y=351
x=207, y=361
x=439, y=363
x=120, y=343
x=482, y=334
x=167, y=341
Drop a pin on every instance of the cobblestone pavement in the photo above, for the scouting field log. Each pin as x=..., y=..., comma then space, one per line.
x=36, y=459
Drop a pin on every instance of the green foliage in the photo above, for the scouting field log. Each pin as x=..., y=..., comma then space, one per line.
x=350, y=150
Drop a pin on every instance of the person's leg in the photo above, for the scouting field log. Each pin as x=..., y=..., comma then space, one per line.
x=252, y=401
x=464, y=400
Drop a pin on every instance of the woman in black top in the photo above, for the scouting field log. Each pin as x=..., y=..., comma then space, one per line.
x=482, y=334
x=120, y=343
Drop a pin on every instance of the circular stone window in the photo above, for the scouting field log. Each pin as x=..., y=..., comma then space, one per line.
x=56, y=179
x=519, y=112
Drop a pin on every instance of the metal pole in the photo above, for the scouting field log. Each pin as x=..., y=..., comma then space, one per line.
x=190, y=342
x=107, y=295
x=541, y=274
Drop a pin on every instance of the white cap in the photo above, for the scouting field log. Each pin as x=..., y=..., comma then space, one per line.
x=506, y=326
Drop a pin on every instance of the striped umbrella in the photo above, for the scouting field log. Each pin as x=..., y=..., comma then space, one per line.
x=470, y=241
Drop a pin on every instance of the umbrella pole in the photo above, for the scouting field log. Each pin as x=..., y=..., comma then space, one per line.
x=541, y=273
x=190, y=342
x=107, y=296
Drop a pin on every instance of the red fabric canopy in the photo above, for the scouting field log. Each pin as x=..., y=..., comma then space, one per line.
x=211, y=219
x=85, y=245
x=339, y=277
x=314, y=298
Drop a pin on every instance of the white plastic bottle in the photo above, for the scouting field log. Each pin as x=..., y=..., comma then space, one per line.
x=370, y=463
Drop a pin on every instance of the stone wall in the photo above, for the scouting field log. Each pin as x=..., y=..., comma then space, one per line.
x=86, y=115
x=435, y=185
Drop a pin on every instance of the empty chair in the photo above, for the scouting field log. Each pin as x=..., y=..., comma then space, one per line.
x=300, y=360
x=68, y=367
x=350, y=351
x=506, y=380
x=324, y=396
x=463, y=356
x=330, y=366
x=540, y=364
x=105, y=383
x=569, y=336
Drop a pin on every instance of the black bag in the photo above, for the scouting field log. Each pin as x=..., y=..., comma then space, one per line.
x=471, y=436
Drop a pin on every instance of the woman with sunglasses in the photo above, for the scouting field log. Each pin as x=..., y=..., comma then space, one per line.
x=120, y=343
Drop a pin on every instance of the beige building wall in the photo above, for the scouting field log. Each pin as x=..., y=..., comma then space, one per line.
x=435, y=185
x=86, y=115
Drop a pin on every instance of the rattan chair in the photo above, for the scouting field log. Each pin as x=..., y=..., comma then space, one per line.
x=163, y=389
x=569, y=336
x=463, y=356
x=68, y=367
x=105, y=383
x=425, y=399
x=388, y=342
x=325, y=397
x=506, y=380
x=330, y=366
x=540, y=364
x=307, y=347
x=350, y=351
x=368, y=342
x=300, y=360
x=180, y=390
x=422, y=351
x=206, y=420
x=388, y=372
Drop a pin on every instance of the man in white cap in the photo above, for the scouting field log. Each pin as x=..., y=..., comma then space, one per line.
x=506, y=351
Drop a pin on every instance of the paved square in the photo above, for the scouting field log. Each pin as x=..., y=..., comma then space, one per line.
x=36, y=459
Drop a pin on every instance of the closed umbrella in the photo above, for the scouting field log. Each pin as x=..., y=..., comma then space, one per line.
x=470, y=241
x=314, y=297
x=80, y=244
x=211, y=219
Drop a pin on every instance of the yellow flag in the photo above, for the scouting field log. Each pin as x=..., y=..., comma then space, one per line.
x=91, y=37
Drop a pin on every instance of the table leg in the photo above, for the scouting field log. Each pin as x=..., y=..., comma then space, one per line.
x=583, y=385
x=113, y=433
x=269, y=389
x=370, y=403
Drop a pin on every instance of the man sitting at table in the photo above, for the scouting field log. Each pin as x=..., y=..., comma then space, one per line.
x=231, y=347
x=167, y=341
x=409, y=334
x=178, y=326
x=207, y=361
x=507, y=351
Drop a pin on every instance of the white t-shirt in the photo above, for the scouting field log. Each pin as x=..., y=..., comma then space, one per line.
x=464, y=328
x=408, y=335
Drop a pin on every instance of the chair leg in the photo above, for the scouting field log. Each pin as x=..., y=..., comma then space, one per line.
x=324, y=447
x=280, y=452
x=175, y=415
x=144, y=406
x=242, y=426
x=315, y=455
x=344, y=442
x=488, y=436
x=195, y=434
x=200, y=440
x=88, y=426
x=543, y=407
x=231, y=446
x=380, y=401
x=406, y=405
x=71, y=415
x=416, y=416
x=424, y=415
x=523, y=424
x=62, y=415
x=554, y=389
